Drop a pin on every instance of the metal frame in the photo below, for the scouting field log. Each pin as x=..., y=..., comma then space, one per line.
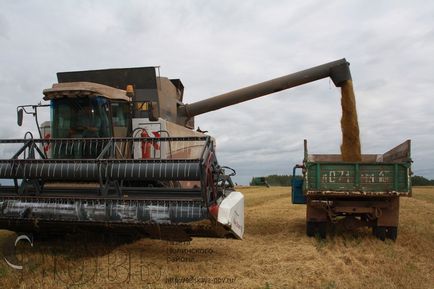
x=105, y=169
x=119, y=184
x=34, y=112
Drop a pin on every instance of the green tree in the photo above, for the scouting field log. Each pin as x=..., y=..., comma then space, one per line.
x=421, y=181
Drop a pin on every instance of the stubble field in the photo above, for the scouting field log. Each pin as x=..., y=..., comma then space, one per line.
x=275, y=253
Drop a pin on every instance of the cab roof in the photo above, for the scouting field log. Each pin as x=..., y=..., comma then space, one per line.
x=83, y=89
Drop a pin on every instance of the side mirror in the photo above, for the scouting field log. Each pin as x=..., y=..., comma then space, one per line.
x=20, y=117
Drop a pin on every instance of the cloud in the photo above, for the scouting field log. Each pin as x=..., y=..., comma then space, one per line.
x=218, y=46
x=4, y=27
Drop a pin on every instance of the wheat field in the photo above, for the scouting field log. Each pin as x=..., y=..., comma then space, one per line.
x=275, y=253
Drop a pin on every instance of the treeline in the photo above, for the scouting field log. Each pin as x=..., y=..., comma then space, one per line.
x=421, y=181
x=285, y=180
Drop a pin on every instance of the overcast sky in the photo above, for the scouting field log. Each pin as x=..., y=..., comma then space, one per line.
x=218, y=46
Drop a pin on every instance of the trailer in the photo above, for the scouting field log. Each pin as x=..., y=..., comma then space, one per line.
x=356, y=194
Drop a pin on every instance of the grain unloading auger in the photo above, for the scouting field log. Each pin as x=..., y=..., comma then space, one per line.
x=120, y=154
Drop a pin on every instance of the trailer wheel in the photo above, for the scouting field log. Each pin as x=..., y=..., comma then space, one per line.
x=310, y=229
x=314, y=228
x=379, y=232
x=374, y=230
x=322, y=230
x=392, y=233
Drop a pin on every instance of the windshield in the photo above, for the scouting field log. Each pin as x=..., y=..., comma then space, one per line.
x=80, y=118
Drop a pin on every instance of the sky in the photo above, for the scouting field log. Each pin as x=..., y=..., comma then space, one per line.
x=218, y=46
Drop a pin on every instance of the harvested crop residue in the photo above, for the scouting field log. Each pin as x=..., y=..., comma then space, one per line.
x=275, y=253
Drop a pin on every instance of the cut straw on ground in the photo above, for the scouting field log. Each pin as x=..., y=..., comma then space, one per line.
x=275, y=253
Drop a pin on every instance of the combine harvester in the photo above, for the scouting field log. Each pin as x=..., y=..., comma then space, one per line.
x=120, y=154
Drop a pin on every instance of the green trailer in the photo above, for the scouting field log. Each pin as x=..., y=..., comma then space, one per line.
x=357, y=194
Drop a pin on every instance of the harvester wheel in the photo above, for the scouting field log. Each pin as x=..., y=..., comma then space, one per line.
x=392, y=233
x=310, y=229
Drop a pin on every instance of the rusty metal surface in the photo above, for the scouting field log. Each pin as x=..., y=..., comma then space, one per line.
x=356, y=194
x=400, y=153
x=372, y=211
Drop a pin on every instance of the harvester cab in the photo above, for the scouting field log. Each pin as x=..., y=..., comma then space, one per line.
x=120, y=153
